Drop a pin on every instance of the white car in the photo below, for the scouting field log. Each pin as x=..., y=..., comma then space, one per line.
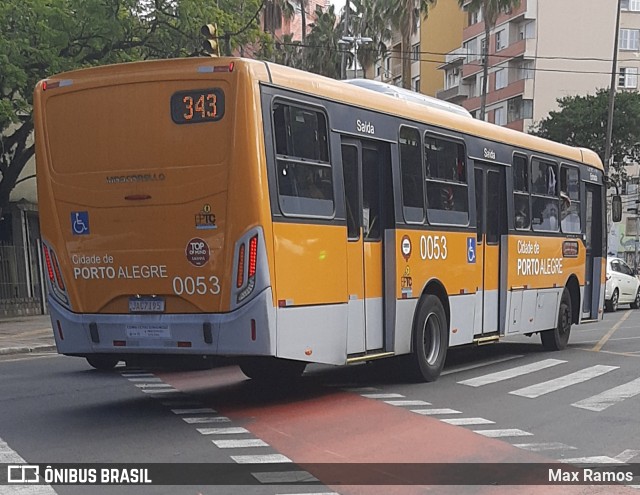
x=622, y=287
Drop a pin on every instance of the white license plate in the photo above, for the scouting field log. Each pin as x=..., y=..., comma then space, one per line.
x=142, y=305
x=148, y=331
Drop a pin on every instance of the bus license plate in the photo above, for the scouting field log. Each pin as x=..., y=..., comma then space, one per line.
x=141, y=305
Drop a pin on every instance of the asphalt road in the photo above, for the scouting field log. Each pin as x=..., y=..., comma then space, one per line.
x=507, y=402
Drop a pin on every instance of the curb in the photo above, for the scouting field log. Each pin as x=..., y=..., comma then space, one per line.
x=26, y=349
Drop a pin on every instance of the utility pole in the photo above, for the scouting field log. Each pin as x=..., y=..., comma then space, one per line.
x=612, y=94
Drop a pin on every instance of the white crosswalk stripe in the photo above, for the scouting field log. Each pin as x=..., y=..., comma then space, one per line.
x=468, y=421
x=610, y=397
x=541, y=447
x=435, y=412
x=511, y=373
x=407, y=403
x=564, y=381
x=507, y=432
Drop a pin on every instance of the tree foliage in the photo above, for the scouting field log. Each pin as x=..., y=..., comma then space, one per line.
x=43, y=37
x=582, y=121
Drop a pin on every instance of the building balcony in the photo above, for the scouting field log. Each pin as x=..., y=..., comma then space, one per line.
x=516, y=88
x=456, y=94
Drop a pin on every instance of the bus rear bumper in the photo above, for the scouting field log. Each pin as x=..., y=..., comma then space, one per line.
x=246, y=331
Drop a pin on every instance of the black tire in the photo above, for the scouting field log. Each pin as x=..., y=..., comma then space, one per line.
x=636, y=302
x=272, y=369
x=557, y=338
x=612, y=305
x=430, y=339
x=103, y=363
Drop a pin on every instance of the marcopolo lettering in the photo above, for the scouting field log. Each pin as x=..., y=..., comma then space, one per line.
x=124, y=179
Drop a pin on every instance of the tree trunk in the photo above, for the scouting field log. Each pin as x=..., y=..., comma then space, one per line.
x=304, y=22
x=406, y=59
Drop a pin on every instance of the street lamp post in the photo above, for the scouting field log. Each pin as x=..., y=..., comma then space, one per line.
x=355, y=41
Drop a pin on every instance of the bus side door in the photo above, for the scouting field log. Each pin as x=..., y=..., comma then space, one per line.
x=491, y=220
x=362, y=161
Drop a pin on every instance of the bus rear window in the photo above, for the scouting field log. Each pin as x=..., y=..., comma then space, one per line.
x=304, y=173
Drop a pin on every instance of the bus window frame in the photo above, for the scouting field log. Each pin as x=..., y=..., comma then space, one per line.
x=576, y=168
x=518, y=192
x=407, y=210
x=436, y=216
x=308, y=207
x=534, y=196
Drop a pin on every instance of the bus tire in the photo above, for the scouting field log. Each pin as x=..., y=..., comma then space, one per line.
x=272, y=369
x=557, y=338
x=430, y=339
x=103, y=362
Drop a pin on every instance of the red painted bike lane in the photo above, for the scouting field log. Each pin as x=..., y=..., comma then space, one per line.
x=332, y=426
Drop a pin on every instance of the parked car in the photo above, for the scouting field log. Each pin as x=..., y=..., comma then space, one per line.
x=622, y=287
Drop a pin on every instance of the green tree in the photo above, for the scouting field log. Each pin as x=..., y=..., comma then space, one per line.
x=582, y=121
x=490, y=10
x=322, y=54
x=404, y=16
x=368, y=20
x=43, y=37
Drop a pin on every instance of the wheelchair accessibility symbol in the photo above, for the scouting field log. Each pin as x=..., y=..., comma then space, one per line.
x=80, y=222
x=471, y=249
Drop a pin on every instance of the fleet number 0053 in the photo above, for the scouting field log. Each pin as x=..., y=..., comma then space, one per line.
x=433, y=247
x=196, y=285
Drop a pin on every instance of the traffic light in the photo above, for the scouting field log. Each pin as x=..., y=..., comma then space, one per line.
x=210, y=31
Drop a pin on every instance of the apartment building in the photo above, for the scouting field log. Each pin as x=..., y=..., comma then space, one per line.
x=539, y=52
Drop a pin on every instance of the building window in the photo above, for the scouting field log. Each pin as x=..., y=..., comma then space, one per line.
x=525, y=70
x=628, y=77
x=415, y=52
x=378, y=70
x=519, y=109
x=499, y=116
x=453, y=78
x=483, y=44
x=471, y=49
x=629, y=39
x=501, y=40
x=415, y=84
x=631, y=5
x=475, y=16
x=501, y=78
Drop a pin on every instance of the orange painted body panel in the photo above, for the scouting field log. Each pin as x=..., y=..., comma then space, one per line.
x=537, y=262
x=374, y=269
x=421, y=265
x=310, y=263
x=109, y=137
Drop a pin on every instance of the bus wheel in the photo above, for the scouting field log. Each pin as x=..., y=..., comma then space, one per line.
x=104, y=363
x=430, y=339
x=269, y=369
x=557, y=338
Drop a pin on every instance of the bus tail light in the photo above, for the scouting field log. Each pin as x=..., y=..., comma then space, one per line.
x=47, y=259
x=56, y=282
x=251, y=270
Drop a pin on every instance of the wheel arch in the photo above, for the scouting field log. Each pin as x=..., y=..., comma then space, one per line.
x=573, y=286
x=436, y=288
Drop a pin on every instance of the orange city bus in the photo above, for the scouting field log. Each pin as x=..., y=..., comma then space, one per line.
x=232, y=207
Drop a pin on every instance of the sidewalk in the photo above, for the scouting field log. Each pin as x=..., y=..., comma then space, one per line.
x=24, y=334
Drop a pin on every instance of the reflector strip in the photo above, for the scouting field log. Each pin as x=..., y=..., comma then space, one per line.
x=184, y=344
x=240, y=275
x=56, y=268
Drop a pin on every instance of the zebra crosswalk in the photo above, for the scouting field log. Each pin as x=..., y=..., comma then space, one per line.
x=597, y=403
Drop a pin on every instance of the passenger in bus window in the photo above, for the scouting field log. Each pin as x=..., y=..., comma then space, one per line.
x=447, y=201
x=307, y=187
x=522, y=212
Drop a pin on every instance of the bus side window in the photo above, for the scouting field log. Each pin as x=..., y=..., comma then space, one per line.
x=570, y=199
x=522, y=217
x=544, y=198
x=304, y=173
